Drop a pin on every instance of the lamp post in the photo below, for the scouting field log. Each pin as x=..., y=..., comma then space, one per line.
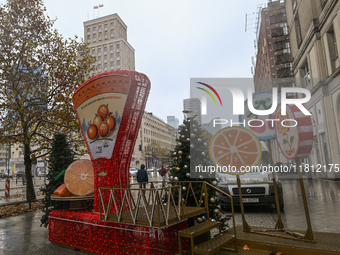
x=8, y=159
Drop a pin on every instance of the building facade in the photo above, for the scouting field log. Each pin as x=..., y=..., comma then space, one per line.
x=173, y=121
x=107, y=39
x=273, y=57
x=212, y=127
x=192, y=109
x=314, y=33
x=273, y=60
x=155, y=141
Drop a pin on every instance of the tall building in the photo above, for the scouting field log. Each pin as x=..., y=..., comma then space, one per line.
x=173, y=121
x=273, y=57
x=211, y=128
x=314, y=40
x=154, y=142
x=192, y=109
x=273, y=61
x=107, y=40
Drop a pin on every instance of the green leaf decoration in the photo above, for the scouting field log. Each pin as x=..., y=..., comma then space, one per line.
x=285, y=141
x=61, y=174
x=291, y=139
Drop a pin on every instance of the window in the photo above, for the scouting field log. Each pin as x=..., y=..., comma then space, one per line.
x=106, y=33
x=100, y=27
x=100, y=58
x=281, y=45
x=94, y=36
x=298, y=30
x=283, y=72
x=111, y=24
x=112, y=31
x=111, y=55
x=282, y=59
x=93, y=51
x=333, y=48
x=286, y=85
x=306, y=74
x=105, y=65
x=94, y=28
x=118, y=62
x=280, y=31
x=88, y=29
x=100, y=34
x=111, y=63
x=117, y=46
x=105, y=57
x=105, y=25
x=88, y=37
x=105, y=49
x=274, y=19
x=111, y=47
x=99, y=66
x=99, y=50
x=118, y=54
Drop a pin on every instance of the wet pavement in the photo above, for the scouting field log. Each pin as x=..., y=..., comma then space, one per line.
x=22, y=234
x=323, y=198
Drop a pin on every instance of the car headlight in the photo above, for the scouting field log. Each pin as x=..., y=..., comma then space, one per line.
x=223, y=179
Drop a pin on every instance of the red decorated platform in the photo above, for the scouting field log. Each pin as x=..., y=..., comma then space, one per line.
x=84, y=230
x=122, y=96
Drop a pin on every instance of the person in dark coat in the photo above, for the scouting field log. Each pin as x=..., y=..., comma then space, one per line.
x=142, y=177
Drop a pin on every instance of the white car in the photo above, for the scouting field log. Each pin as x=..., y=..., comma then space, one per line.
x=133, y=171
x=257, y=186
x=41, y=173
x=152, y=169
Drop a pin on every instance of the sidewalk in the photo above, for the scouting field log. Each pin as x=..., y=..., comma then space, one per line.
x=18, y=200
x=22, y=234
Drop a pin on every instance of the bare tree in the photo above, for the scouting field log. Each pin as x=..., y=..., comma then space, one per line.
x=39, y=71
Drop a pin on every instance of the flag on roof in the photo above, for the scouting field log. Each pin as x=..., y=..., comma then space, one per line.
x=95, y=7
x=101, y=5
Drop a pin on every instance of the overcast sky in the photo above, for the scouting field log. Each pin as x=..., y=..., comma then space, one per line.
x=174, y=40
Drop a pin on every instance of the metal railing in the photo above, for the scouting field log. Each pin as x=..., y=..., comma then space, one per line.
x=161, y=202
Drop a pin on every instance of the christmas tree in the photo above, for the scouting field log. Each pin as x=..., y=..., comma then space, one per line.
x=192, y=152
x=60, y=158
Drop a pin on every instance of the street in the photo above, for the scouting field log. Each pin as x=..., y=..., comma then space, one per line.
x=22, y=234
x=323, y=199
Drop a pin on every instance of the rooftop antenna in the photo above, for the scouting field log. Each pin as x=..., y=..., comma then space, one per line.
x=254, y=22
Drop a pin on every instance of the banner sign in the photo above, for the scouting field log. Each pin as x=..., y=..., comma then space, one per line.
x=294, y=133
x=100, y=106
x=262, y=126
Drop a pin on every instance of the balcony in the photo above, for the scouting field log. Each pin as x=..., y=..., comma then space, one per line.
x=283, y=72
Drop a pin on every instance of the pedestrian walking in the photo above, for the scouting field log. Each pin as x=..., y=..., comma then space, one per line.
x=162, y=172
x=142, y=177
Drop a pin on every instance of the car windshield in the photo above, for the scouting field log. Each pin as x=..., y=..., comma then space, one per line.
x=265, y=159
